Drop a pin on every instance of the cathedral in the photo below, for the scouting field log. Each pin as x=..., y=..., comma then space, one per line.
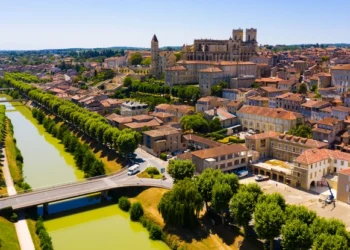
x=234, y=49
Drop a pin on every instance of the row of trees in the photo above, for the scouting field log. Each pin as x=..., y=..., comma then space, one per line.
x=2, y=137
x=84, y=158
x=93, y=125
x=25, y=77
x=299, y=227
x=189, y=94
x=45, y=239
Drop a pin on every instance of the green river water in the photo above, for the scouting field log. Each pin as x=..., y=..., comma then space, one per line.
x=47, y=164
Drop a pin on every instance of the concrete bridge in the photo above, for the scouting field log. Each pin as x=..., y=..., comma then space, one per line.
x=14, y=100
x=47, y=195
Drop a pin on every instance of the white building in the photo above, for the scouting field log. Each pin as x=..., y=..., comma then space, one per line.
x=341, y=77
x=130, y=108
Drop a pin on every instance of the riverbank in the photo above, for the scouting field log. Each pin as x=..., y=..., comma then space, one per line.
x=204, y=237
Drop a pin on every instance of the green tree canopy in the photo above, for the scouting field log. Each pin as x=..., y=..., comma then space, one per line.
x=146, y=62
x=205, y=182
x=196, y=122
x=330, y=242
x=242, y=207
x=301, y=213
x=181, y=169
x=273, y=198
x=182, y=204
x=215, y=125
x=136, y=59
x=127, y=142
x=268, y=220
x=301, y=131
x=127, y=81
x=221, y=196
x=302, y=88
x=296, y=236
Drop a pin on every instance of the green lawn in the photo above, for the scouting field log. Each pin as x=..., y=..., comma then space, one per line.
x=8, y=235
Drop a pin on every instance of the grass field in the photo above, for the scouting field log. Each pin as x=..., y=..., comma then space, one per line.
x=10, y=146
x=8, y=235
x=36, y=240
x=204, y=237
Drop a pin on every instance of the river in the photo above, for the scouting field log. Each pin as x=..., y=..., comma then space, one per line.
x=46, y=164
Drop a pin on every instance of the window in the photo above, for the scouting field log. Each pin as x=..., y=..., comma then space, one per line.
x=342, y=163
x=222, y=165
x=222, y=158
x=229, y=164
x=310, y=175
x=335, y=161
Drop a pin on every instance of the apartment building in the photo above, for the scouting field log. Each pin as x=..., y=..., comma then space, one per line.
x=130, y=108
x=343, y=189
x=226, y=158
x=163, y=139
x=327, y=129
x=341, y=77
x=290, y=101
x=267, y=119
x=177, y=110
x=280, y=146
x=240, y=94
x=210, y=102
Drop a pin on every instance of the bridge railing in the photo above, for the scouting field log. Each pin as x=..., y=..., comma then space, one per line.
x=65, y=184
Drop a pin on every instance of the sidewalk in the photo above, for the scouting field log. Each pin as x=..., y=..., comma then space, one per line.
x=23, y=234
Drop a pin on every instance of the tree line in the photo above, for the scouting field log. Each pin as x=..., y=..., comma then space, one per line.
x=299, y=227
x=83, y=157
x=189, y=94
x=92, y=124
x=45, y=238
x=2, y=138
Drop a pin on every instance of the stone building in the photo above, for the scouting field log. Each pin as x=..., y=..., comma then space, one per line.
x=233, y=49
x=160, y=59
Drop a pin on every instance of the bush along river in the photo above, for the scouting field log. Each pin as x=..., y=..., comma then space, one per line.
x=81, y=223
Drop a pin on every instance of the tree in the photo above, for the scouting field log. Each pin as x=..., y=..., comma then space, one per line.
x=273, y=198
x=301, y=213
x=136, y=59
x=252, y=188
x=136, y=211
x=215, y=125
x=327, y=242
x=301, y=131
x=302, y=88
x=205, y=182
x=127, y=143
x=296, y=236
x=269, y=218
x=181, y=169
x=124, y=203
x=127, y=81
x=197, y=123
x=146, y=62
x=216, y=90
x=231, y=179
x=242, y=206
x=181, y=205
x=221, y=196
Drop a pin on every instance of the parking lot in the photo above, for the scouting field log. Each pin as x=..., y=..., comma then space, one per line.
x=310, y=200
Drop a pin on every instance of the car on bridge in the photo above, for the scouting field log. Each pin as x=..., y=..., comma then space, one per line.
x=134, y=169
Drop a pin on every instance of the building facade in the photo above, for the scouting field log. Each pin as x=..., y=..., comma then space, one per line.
x=343, y=190
x=340, y=75
x=130, y=108
x=233, y=49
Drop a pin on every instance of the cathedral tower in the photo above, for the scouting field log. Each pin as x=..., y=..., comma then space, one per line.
x=155, y=70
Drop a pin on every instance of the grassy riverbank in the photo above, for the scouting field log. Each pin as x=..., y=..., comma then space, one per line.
x=206, y=236
x=8, y=235
x=35, y=238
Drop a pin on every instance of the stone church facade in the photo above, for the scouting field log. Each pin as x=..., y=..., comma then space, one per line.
x=234, y=49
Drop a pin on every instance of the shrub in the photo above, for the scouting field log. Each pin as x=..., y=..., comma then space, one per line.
x=155, y=232
x=14, y=217
x=124, y=203
x=152, y=171
x=236, y=140
x=136, y=211
x=163, y=156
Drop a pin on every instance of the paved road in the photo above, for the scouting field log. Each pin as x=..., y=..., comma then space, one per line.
x=22, y=230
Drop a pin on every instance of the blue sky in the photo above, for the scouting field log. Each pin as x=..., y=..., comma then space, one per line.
x=42, y=24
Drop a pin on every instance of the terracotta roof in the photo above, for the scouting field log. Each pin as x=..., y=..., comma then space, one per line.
x=211, y=70
x=330, y=121
x=269, y=112
x=219, y=151
x=162, y=114
x=342, y=109
x=234, y=103
x=261, y=136
x=222, y=114
x=205, y=141
x=345, y=171
x=342, y=67
x=269, y=79
x=291, y=97
x=177, y=68
x=271, y=89
x=172, y=107
x=315, y=155
x=314, y=104
x=212, y=98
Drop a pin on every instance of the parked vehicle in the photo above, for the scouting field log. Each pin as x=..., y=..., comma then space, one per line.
x=261, y=178
x=133, y=169
x=242, y=173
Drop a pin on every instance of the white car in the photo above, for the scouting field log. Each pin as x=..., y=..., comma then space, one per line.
x=261, y=178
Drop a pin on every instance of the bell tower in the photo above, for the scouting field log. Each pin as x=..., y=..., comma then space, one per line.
x=155, y=56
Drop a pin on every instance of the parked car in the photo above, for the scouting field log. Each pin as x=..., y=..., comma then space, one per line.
x=261, y=178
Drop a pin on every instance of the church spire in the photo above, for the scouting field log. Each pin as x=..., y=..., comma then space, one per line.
x=154, y=39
